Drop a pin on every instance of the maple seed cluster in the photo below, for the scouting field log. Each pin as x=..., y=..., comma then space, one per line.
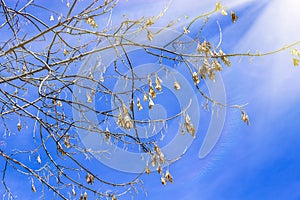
x=158, y=160
x=124, y=119
x=211, y=63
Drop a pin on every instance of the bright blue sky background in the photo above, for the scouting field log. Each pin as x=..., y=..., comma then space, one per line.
x=261, y=161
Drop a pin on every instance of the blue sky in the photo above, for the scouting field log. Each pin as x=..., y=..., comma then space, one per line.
x=260, y=161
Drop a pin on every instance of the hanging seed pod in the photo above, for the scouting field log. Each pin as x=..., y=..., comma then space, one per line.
x=163, y=180
x=245, y=118
x=147, y=170
x=169, y=176
x=19, y=126
x=85, y=196
x=33, y=187
x=154, y=161
x=73, y=192
x=107, y=134
x=152, y=93
x=59, y=103
x=151, y=103
x=114, y=197
x=89, y=98
x=139, y=105
x=177, y=86
x=38, y=159
x=189, y=126
x=158, y=84
x=145, y=98
x=89, y=178
x=67, y=141
x=196, y=78
x=127, y=122
x=234, y=17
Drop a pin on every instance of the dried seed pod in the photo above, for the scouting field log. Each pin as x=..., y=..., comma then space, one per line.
x=85, y=196
x=245, y=118
x=60, y=149
x=127, y=122
x=154, y=161
x=163, y=180
x=151, y=103
x=89, y=98
x=114, y=197
x=158, y=84
x=224, y=58
x=73, y=192
x=176, y=85
x=296, y=62
x=216, y=65
x=107, y=134
x=157, y=149
x=59, y=103
x=218, y=6
x=152, y=93
x=145, y=98
x=89, y=178
x=139, y=105
x=33, y=187
x=19, y=126
x=224, y=12
x=169, y=176
x=196, y=78
x=234, y=17
x=38, y=159
x=147, y=170
x=159, y=169
x=189, y=126
x=67, y=141
x=149, y=35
